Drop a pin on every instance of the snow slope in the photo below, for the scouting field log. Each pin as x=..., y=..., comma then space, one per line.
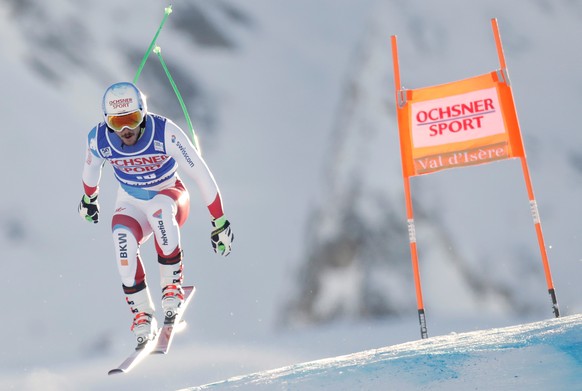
x=545, y=355
x=538, y=356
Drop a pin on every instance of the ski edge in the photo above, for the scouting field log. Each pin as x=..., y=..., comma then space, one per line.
x=137, y=356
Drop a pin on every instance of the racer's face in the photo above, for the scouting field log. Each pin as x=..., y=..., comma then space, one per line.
x=129, y=136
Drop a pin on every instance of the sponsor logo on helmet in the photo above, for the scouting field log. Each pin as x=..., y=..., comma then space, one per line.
x=123, y=103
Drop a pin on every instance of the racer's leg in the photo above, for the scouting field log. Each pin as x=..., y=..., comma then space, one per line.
x=130, y=229
x=166, y=213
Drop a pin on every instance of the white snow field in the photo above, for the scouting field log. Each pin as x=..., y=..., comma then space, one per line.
x=545, y=355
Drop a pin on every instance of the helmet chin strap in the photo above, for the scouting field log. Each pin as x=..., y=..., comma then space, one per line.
x=142, y=127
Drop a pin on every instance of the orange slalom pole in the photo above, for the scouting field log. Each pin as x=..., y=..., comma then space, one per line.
x=414, y=259
x=538, y=227
x=498, y=44
x=530, y=191
x=409, y=209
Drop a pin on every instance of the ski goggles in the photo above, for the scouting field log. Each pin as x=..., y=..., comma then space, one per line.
x=120, y=122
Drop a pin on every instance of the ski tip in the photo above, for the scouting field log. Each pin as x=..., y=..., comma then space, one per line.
x=115, y=371
x=180, y=326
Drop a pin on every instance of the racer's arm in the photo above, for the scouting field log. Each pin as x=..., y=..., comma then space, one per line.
x=93, y=166
x=179, y=146
x=89, y=207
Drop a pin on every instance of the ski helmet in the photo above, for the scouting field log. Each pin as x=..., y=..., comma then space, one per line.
x=124, y=106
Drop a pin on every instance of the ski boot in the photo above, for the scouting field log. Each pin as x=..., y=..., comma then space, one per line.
x=172, y=299
x=144, y=327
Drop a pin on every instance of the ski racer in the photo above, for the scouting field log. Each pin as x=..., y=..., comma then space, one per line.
x=145, y=151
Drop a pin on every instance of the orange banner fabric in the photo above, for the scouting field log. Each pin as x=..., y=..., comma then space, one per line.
x=467, y=122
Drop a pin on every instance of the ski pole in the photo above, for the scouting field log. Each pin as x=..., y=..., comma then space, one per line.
x=167, y=12
x=158, y=52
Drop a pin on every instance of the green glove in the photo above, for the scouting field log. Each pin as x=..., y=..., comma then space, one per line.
x=89, y=208
x=221, y=236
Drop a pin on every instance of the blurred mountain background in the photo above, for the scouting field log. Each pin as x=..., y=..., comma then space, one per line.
x=293, y=103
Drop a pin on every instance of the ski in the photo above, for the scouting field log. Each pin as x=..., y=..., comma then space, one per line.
x=174, y=325
x=136, y=356
x=163, y=340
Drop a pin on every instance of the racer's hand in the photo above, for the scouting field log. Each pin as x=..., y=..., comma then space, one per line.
x=221, y=236
x=89, y=208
